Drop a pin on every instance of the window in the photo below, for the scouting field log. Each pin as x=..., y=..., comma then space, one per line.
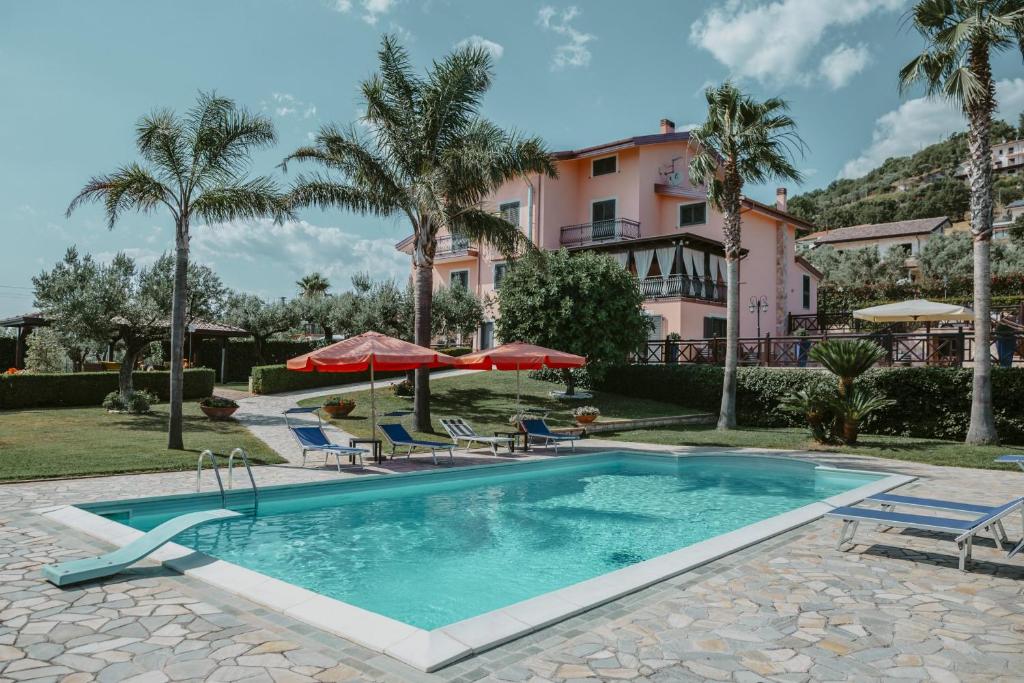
x=692, y=214
x=499, y=273
x=602, y=214
x=510, y=212
x=460, y=278
x=807, y=292
x=714, y=327
x=656, y=327
x=604, y=166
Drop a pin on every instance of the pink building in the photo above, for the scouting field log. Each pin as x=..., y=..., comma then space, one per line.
x=632, y=199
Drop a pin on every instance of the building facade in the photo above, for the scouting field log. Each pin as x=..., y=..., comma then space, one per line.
x=633, y=200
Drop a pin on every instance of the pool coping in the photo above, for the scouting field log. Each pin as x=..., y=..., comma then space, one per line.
x=430, y=650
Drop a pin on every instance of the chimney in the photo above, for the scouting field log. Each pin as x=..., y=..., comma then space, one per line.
x=780, y=199
x=668, y=126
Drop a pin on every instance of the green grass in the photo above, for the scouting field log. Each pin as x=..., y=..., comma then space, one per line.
x=487, y=399
x=931, y=451
x=236, y=386
x=68, y=442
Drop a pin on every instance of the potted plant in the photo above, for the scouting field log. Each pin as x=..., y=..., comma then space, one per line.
x=803, y=345
x=586, y=414
x=672, y=347
x=404, y=389
x=336, y=406
x=218, y=407
x=851, y=409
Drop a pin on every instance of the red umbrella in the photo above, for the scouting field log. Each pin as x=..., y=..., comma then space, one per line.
x=519, y=356
x=369, y=351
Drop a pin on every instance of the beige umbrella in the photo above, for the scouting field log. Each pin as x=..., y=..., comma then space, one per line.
x=914, y=310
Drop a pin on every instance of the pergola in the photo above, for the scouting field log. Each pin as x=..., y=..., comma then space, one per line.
x=196, y=331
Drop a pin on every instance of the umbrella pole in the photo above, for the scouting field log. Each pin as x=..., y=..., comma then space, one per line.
x=373, y=405
x=518, y=402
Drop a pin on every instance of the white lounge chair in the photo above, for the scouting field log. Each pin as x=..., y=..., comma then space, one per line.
x=460, y=430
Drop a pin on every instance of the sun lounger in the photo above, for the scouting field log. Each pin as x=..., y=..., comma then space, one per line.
x=1016, y=459
x=399, y=437
x=460, y=430
x=889, y=501
x=537, y=431
x=312, y=438
x=963, y=529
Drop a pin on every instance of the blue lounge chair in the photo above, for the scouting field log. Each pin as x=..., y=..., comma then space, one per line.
x=963, y=529
x=538, y=431
x=1017, y=459
x=312, y=438
x=399, y=437
x=889, y=501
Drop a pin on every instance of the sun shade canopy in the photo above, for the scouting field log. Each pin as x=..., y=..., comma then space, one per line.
x=519, y=356
x=355, y=354
x=914, y=310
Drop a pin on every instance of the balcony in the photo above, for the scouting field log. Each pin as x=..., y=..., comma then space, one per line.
x=451, y=248
x=681, y=286
x=600, y=232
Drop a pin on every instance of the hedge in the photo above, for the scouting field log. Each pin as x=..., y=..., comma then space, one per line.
x=930, y=402
x=30, y=390
x=240, y=356
x=275, y=379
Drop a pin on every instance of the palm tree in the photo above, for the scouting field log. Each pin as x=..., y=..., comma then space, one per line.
x=423, y=152
x=313, y=284
x=960, y=36
x=193, y=166
x=742, y=141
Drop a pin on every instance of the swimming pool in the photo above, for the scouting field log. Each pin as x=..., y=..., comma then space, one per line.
x=438, y=549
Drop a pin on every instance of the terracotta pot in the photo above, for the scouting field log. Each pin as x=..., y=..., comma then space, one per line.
x=850, y=431
x=338, y=411
x=218, y=412
x=585, y=419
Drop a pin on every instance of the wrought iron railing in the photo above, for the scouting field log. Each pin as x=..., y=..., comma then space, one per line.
x=945, y=348
x=675, y=286
x=600, y=231
x=450, y=245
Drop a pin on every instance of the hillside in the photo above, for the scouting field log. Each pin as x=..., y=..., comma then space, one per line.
x=917, y=186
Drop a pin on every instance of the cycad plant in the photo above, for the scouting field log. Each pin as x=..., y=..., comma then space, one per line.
x=853, y=408
x=815, y=408
x=847, y=359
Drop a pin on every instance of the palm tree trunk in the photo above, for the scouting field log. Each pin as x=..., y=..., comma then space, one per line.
x=423, y=272
x=175, y=440
x=727, y=412
x=983, y=428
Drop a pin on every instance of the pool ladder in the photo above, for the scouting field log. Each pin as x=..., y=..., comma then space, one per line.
x=244, y=456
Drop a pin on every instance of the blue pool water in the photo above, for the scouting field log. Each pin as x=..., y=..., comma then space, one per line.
x=435, y=549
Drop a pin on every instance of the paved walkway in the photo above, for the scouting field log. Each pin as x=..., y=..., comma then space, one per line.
x=790, y=609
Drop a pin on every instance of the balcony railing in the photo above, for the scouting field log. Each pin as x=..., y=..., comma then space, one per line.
x=599, y=232
x=449, y=247
x=675, y=286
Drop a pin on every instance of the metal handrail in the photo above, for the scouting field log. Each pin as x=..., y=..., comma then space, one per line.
x=613, y=229
x=216, y=471
x=252, y=479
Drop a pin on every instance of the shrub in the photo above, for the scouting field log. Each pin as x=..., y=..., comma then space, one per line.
x=44, y=352
x=217, y=402
x=275, y=379
x=136, y=402
x=929, y=402
x=405, y=388
x=28, y=390
x=338, y=401
x=586, y=410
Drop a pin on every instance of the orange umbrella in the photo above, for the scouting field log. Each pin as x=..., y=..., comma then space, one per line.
x=519, y=356
x=369, y=351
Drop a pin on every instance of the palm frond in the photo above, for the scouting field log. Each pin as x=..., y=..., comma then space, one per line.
x=130, y=187
x=487, y=228
x=162, y=142
x=325, y=193
x=254, y=198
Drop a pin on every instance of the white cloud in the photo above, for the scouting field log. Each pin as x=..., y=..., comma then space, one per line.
x=342, y=6
x=294, y=248
x=773, y=42
x=141, y=255
x=285, y=104
x=403, y=34
x=494, y=48
x=843, y=63
x=373, y=9
x=574, y=52
x=921, y=122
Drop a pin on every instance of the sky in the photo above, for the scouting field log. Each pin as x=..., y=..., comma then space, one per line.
x=75, y=77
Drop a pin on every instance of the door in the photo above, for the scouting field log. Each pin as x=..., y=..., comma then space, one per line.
x=602, y=217
x=486, y=335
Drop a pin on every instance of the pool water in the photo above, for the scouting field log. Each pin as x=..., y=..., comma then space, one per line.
x=436, y=549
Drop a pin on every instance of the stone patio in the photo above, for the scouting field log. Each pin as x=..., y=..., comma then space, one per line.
x=789, y=609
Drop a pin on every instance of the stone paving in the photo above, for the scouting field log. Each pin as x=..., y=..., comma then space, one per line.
x=790, y=609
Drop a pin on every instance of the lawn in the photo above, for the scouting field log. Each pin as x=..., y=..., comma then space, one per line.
x=488, y=399
x=69, y=442
x=931, y=451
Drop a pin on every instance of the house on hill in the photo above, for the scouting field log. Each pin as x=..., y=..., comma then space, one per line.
x=633, y=200
x=910, y=236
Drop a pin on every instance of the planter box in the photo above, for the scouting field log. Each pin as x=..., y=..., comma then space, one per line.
x=218, y=413
x=338, y=411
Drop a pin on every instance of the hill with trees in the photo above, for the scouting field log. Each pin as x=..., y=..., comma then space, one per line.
x=921, y=185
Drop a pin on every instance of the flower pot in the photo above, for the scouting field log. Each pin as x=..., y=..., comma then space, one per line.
x=850, y=431
x=585, y=419
x=338, y=411
x=218, y=412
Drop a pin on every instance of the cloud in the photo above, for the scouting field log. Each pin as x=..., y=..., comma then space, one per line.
x=495, y=49
x=843, y=63
x=342, y=6
x=141, y=255
x=372, y=9
x=403, y=34
x=773, y=42
x=921, y=122
x=294, y=248
x=285, y=104
x=575, y=52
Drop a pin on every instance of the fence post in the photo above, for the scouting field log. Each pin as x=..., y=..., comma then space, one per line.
x=890, y=355
x=767, y=358
x=961, y=346
x=789, y=322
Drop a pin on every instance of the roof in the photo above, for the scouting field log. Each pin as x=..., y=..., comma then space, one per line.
x=856, y=233
x=809, y=267
x=624, y=143
x=749, y=204
x=32, y=319
x=204, y=328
